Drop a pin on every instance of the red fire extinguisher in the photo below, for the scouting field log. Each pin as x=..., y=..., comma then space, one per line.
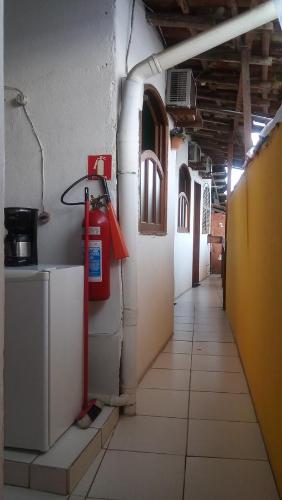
x=101, y=229
x=98, y=250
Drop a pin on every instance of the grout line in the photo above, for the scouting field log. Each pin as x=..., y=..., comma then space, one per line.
x=220, y=392
x=177, y=369
x=188, y=412
x=229, y=458
x=224, y=420
x=214, y=371
x=168, y=388
x=160, y=416
x=150, y=452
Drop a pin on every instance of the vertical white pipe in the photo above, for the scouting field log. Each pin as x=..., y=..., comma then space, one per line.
x=128, y=161
x=2, y=169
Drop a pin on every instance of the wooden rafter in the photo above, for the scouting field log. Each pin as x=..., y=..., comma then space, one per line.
x=231, y=57
x=219, y=76
x=246, y=91
x=172, y=20
x=184, y=6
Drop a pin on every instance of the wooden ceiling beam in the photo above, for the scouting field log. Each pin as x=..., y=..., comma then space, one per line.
x=219, y=128
x=266, y=38
x=234, y=12
x=223, y=56
x=227, y=85
x=258, y=102
x=184, y=6
x=172, y=20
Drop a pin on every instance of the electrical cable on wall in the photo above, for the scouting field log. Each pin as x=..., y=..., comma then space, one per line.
x=130, y=35
x=21, y=100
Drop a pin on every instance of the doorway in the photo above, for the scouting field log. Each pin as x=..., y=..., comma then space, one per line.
x=196, y=235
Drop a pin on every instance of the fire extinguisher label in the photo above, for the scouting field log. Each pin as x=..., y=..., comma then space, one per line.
x=93, y=230
x=95, y=261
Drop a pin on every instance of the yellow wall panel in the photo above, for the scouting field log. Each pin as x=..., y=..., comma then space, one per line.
x=254, y=287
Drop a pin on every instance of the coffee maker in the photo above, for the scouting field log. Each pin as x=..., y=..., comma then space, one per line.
x=21, y=237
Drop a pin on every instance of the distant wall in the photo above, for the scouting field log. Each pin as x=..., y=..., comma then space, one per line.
x=254, y=290
x=217, y=229
x=183, y=243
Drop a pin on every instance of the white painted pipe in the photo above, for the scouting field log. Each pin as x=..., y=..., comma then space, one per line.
x=128, y=161
x=112, y=399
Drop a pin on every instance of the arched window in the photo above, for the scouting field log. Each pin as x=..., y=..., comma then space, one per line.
x=184, y=194
x=153, y=169
x=206, y=210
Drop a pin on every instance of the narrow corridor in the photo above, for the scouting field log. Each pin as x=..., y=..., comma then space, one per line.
x=195, y=436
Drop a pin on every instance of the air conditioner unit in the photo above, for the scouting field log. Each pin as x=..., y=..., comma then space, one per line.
x=194, y=152
x=206, y=164
x=181, y=88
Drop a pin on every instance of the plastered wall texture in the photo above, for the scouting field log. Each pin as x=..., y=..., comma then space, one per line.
x=254, y=290
x=62, y=56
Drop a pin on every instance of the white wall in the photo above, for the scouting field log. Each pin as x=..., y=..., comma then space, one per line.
x=62, y=56
x=183, y=244
x=155, y=254
x=2, y=165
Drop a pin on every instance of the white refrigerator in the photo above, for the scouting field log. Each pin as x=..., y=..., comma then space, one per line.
x=43, y=353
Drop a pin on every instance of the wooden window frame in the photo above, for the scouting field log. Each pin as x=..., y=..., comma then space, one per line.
x=157, y=169
x=184, y=198
x=159, y=115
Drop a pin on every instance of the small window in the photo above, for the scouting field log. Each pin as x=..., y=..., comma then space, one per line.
x=152, y=176
x=206, y=210
x=184, y=193
x=153, y=168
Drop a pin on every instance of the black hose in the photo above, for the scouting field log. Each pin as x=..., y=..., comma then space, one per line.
x=69, y=188
x=97, y=177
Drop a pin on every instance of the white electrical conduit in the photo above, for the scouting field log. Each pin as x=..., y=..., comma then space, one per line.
x=128, y=162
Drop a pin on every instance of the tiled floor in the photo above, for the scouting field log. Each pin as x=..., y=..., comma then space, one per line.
x=195, y=436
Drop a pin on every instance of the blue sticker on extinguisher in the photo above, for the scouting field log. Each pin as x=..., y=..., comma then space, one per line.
x=95, y=261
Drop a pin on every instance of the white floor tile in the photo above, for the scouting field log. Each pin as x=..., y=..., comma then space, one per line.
x=14, y=493
x=19, y=456
x=212, y=329
x=211, y=322
x=217, y=406
x=84, y=484
x=183, y=327
x=129, y=475
x=210, y=438
x=67, y=448
x=162, y=403
x=150, y=434
x=219, y=479
x=166, y=379
x=213, y=337
x=178, y=347
x=173, y=361
x=219, y=382
x=106, y=421
x=187, y=336
x=215, y=348
x=216, y=363
x=182, y=320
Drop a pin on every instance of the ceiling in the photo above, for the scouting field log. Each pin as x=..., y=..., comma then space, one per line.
x=218, y=76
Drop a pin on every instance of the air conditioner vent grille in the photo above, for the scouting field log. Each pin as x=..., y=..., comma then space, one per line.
x=181, y=89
